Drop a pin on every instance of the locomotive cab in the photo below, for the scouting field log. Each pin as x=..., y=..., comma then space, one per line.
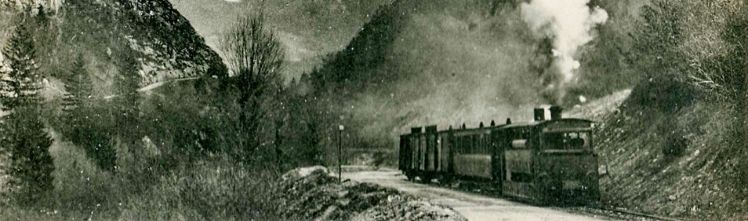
x=566, y=162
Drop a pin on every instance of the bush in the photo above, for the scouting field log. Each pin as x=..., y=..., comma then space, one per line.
x=214, y=188
x=209, y=190
x=664, y=94
x=694, y=42
x=80, y=185
x=675, y=144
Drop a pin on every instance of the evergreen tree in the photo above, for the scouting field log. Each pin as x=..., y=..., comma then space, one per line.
x=45, y=34
x=84, y=124
x=20, y=86
x=127, y=100
x=79, y=90
x=41, y=16
x=31, y=165
x=26, y=142
x=311, y=139
x=307, y=131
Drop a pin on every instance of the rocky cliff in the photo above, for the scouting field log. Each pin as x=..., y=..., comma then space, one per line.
x=152, y=31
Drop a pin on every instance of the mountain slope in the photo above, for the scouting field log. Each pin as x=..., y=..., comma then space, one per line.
x=441, y=62
x=682, y=164
x=676, y=145
x=165, y=40
x=317, y=28
x=152, y=31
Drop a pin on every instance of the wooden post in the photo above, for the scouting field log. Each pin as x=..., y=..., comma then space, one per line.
x=340, y=153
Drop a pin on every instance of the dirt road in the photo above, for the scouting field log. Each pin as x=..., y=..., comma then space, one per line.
x=472, y=206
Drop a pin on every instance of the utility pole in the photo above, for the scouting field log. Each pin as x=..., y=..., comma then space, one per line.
x=340, y=153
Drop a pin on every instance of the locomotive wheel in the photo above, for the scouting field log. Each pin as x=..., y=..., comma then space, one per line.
x=446, y=179
x=410, y=176
x=426, y=179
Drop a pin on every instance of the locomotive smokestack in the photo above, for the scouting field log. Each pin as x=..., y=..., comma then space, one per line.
x=556, y=112
x=539, y=114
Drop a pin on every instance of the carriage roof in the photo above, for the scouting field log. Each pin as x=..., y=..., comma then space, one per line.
x=539, y=124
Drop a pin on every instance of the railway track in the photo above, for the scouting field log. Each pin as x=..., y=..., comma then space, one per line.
x=620, y=213
x=469, y=198
x=594, y=210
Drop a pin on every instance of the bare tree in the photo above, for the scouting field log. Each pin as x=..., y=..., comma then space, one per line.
x=255, y=57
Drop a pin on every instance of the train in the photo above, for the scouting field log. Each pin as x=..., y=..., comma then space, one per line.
x=544, y=161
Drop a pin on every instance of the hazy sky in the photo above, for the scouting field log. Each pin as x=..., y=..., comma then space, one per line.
x=307, y=28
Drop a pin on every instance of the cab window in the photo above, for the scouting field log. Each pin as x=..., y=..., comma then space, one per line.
x=567, y=140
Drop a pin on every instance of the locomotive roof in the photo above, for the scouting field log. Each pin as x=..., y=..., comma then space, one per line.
x=542, y=123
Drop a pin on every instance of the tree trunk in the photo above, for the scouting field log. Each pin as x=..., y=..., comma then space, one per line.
x=278, y=153
x=744, y=99
x=743, y=112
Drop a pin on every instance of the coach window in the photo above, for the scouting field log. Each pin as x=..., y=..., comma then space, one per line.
x=477, y=143
x=483, y=144
x=480, y=143
x=463, y=144
x=468, y=144
x=458, y=144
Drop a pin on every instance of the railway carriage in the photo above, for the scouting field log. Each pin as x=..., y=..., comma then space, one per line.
x=541, y=161
x=472, y=154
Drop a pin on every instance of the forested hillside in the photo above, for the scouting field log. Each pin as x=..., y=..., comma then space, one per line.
x=81, y=138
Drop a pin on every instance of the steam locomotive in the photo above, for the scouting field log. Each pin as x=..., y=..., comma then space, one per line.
x=544, y=161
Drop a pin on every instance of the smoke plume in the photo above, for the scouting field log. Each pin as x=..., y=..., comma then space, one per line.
x=455, y=66
x=570, y=25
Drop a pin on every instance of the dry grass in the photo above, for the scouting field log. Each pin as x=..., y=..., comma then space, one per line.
x=704, y=181
x=215, y=189
x=675, y=149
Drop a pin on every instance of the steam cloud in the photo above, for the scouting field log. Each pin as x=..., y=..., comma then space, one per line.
x=570, y=25
x=457, y=67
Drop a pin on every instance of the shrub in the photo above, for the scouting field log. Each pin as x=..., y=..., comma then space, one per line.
x=209, y=190
x=80, y=185
x=675, y=144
